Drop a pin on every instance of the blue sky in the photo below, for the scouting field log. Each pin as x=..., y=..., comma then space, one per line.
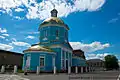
x=94, y=24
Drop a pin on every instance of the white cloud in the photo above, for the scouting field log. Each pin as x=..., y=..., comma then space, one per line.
x=3, y=30
x=42, y=10
x=30, y=37
x=113, y=20
x=2, y=37
x=5, y=47
x=32, y=32
x=19, y=9
x=19, y=18
x=21, y=44
x=94, y=46
x=5, y=34
x=14, y=39
x=96, y=56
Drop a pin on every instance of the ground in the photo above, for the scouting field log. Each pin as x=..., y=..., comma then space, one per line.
x=104, y=75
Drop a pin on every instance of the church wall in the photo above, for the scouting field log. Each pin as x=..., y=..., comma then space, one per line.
x=51, y=37
x=35, y=61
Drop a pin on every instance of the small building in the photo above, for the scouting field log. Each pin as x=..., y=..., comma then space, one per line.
x=78, y=59
x=96, y=64
x=8, y=58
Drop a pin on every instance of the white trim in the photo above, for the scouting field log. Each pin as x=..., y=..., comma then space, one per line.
x=40, y=51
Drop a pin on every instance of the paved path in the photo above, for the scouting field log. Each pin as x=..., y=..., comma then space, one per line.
x=108, y=75
x=11, y=77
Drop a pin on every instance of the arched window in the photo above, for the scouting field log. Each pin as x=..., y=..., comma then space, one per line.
x=65, y=34
x=57, y=33
x=45, y=33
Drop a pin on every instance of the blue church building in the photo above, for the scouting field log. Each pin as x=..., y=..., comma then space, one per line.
x=53, y=48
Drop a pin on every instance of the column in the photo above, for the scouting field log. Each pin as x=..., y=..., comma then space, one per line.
x=89, y=69
x=15, y=69
x=54, y=70
x=3, y=69
x=69, y=70
x=76, y=69
x=81, y=69
x=38, y=70
x=54, y=67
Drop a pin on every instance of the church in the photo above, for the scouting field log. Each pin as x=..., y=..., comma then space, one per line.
x=53, y=49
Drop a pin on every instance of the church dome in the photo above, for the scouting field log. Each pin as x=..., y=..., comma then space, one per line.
x=53, y=21
x=37, y=47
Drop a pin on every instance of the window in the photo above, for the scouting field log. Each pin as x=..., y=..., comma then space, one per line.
x=63, y=63
x=42, y=61
x=57, y=33
x=45, y=33
x=27, y=61
x=65, y=34
x=62, y=59
x=63, y=54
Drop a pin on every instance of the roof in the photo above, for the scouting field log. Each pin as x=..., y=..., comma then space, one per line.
x=79, y=53
x=9, y=52
x=78, y=50
x=37, y=47
x=54, y=21
x=94, y=60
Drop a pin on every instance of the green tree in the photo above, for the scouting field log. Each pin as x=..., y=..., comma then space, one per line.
x=111, y=62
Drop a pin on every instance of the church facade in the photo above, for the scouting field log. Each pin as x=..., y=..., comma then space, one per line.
x=53, y=49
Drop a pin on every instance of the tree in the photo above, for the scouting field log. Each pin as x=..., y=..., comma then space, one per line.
x=111, y=62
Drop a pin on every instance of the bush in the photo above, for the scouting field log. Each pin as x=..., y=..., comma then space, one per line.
x=20, y=71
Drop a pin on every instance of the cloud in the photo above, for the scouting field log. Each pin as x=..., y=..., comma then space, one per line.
x=3, y=30
x=14, y=39
x=42, y=9
x=94, y=46
x=5, y=47
x=2, y=37
x=30, y=37
x=19, y=9
x=113, y=20
x=19, y=18
x=16, y=43
x=32, y=32
x=96, y=56
x=5, y=34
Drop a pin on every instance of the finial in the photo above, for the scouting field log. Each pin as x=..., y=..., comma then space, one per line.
x=54, y=6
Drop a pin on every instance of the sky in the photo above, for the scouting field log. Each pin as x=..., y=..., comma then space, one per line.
x=94, y=24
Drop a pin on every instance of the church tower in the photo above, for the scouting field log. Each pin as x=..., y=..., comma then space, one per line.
x=53, y=31
x=54, y=34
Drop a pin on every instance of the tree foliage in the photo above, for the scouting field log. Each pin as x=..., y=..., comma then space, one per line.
x=111, y=62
